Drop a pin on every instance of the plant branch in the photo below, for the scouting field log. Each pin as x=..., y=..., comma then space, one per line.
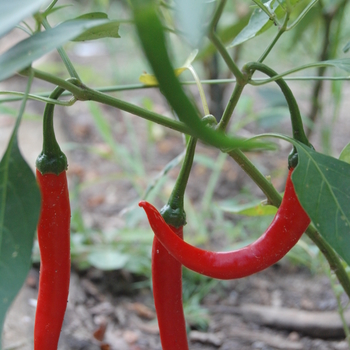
x=220, y=46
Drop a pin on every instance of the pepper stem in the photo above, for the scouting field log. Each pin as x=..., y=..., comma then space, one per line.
x=173, y=212
x=295, y=116
x=51, y=160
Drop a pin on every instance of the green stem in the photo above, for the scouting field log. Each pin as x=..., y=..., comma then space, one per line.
x=220, y=46
x=97, y=96
x=76, y=90
x=67, y=62
x=51, y=160
x=231, y=105
x=334, y=262
x=297, y=124
x=48, y=8
x=173, y=212
x=274, y=41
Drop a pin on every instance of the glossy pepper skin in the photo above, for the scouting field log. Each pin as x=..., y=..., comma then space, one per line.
x=53, y=236
x=54, y=243
x=283, y=233
x=167, y=292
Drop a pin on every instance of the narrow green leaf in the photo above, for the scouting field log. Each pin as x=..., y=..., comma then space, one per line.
x=25, y=52
x=108, y=30
x=345, y=154
x=226, y=34
x=250, y=209
x=259, y=22
x=14, y=11
x=150, y=31
x=341, y=63
x=322, y=184
x=19, y=208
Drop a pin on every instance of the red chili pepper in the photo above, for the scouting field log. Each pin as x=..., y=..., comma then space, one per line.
x=53, y=237
x=283, y=233
x=54, y=243
x=167, y=293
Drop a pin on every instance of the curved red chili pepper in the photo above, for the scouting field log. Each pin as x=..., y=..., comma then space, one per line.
x=167, y=292
x=283, y=233
x=54, y=243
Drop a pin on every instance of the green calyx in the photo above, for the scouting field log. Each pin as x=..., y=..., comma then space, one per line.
x=173, y=212
x=174, y=216
x=51, y=160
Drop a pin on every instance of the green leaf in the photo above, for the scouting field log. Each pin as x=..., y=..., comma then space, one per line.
x=345, y=154
x=226, y=34
x=193, y=19
x=150, y=31
x=25, y=52
x=19, y=213
x=14, y=11
x=341, y=63
x=108, y=30
x=322, y=185
x=250, y=209
x=259, y=22
x=108, y=259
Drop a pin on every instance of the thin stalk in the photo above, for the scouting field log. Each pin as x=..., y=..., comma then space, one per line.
x=49, y=7
x=272, y=16
x=129, y=87
x=67, y=62
x=282, y=29
x=220, y=46
x=37, y=98
x=303, y=14
x=231, y=105
x=97, y=96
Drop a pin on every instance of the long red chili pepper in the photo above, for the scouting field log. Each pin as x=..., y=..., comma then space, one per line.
x=167, y=271
x=53, y=237
x=283, y=233
x=167, y=293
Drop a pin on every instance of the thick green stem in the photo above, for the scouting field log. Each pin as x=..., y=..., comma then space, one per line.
x=51, y=160
x=297, y=124
x=173, y=212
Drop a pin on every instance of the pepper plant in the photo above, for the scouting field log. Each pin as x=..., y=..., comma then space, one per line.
x=317, y=189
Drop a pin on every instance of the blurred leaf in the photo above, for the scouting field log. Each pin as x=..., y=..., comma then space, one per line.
x=250, y=209
x=322, y=185
x=341, y=63
x=150, y=79
x=107, y=259
x=19, y=213
x=108, y=30
x=193, y=18
x=259, y=22
x=150, y=31
x=345, y=154
x=226, y=34
x=14, y=11
x=25, y=52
